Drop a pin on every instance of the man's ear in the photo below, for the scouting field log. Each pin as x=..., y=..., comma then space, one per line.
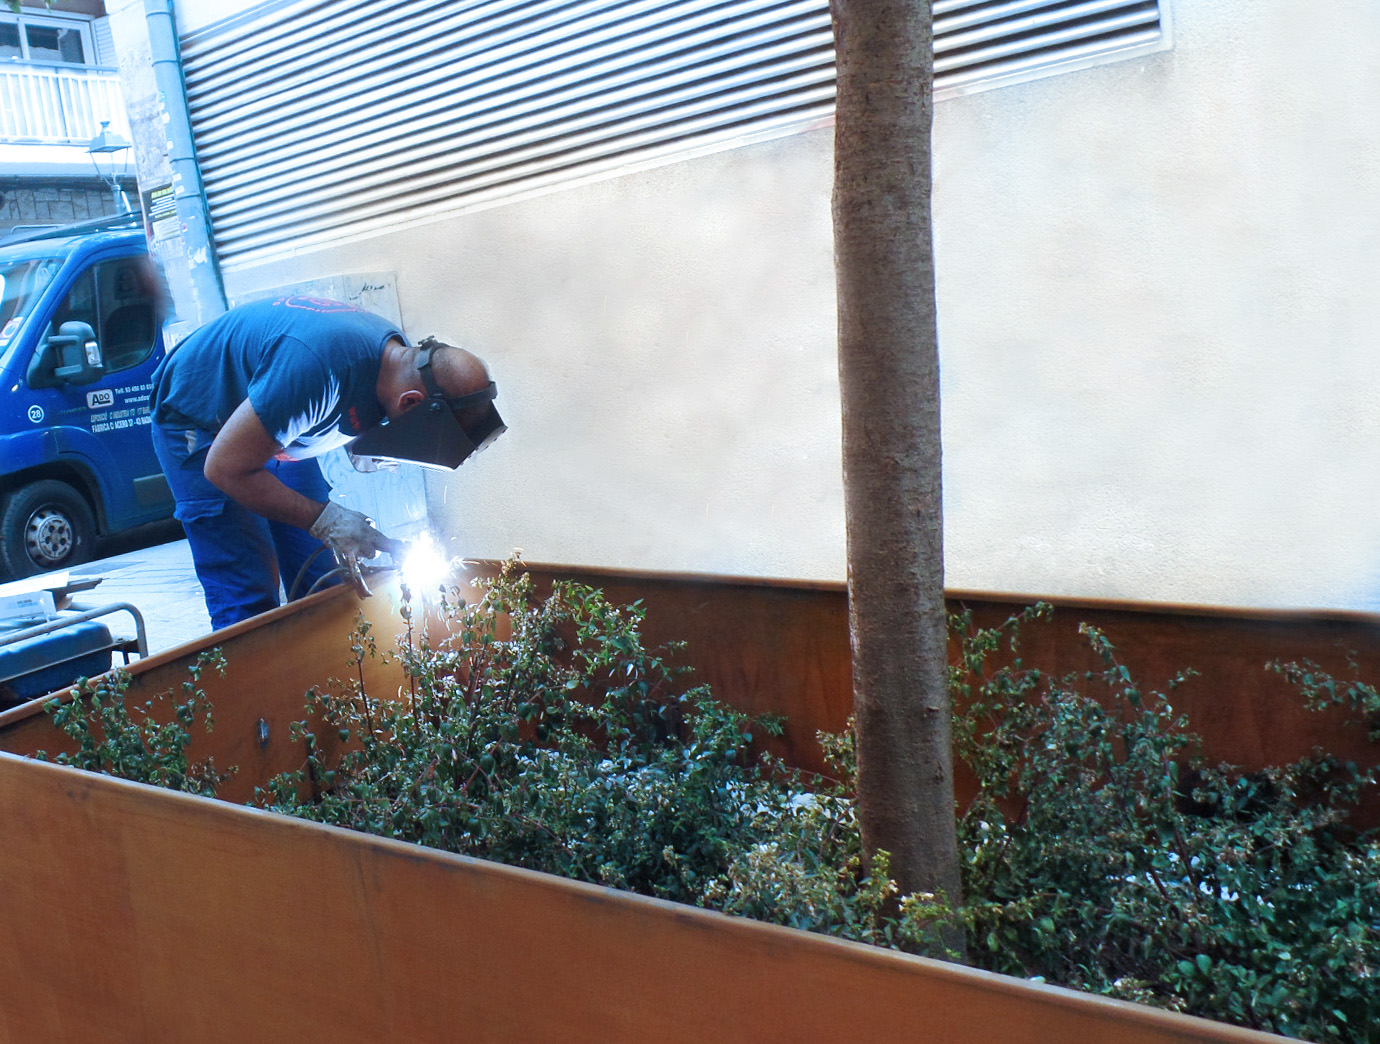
x=409, y=398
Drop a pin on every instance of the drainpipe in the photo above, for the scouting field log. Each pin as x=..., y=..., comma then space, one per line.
x=171, y=190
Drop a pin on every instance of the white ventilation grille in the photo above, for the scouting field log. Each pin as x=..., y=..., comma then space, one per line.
x=319, y=120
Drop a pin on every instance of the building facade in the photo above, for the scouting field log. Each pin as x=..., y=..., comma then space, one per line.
x=1152, y=246
x=58, y=84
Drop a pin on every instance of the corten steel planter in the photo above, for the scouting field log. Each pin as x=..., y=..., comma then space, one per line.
x=136, y=914
x=782, y=646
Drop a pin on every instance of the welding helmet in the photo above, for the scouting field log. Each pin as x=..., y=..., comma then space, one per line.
x=430, y=433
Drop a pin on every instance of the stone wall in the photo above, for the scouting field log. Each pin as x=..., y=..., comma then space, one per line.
x=33, y=201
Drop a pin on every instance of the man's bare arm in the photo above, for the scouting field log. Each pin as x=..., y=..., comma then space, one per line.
x=235, y=464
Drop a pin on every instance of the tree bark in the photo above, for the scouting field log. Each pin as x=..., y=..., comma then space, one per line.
x=889, y=377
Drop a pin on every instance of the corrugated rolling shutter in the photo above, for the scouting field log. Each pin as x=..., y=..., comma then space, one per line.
x=319, y=120
x=987, y=43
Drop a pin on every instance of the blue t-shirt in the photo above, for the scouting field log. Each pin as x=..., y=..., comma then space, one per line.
x=309, y=367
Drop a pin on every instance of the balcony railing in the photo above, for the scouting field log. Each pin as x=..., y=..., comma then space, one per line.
x=58, y=105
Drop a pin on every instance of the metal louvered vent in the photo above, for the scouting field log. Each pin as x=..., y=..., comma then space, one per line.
x=320, y=120
x=988, y=43
x=336, y=118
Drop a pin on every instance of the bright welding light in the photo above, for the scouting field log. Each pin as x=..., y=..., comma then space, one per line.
x=424, y=568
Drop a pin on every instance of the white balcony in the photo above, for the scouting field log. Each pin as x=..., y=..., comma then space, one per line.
x=57, y=104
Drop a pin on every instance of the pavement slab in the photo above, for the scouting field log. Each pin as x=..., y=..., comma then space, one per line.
x=157, y=580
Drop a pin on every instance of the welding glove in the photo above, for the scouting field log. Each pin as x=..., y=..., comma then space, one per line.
x=351, y=538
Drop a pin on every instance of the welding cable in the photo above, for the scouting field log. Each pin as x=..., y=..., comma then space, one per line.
x=341, y=571
x=302, y=573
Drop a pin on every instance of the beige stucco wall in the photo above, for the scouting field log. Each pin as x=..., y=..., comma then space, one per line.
x=1157, y=333
x=1159, y=320
x=197, y=14
x=663, y=345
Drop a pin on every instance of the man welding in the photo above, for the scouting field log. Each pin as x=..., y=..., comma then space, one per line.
x=242, y=408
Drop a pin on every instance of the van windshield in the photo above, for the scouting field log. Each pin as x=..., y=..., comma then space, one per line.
x=21, y=285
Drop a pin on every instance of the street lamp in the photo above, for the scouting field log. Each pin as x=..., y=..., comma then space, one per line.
x=108, y=143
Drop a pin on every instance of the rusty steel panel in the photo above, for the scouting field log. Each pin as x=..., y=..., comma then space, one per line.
x=272, y=660
x=782, y=647
x=136, y=914
x=762, y=646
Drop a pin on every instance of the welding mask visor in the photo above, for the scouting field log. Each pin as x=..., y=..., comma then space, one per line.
x=430, y=433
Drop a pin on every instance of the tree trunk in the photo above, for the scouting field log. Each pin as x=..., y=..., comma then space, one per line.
x=889, y=376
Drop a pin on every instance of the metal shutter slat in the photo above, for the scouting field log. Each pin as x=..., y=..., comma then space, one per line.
x=261, y=36
x=1028, y=23
x=479, y=149
x=272, y=66
x=435, y=115
x=410, y=34
x=575, y=40
x=1027, y=44
x=481, y=161
x=318, y=120
x=965, y=14
x=439, y=199
x=1030, y=63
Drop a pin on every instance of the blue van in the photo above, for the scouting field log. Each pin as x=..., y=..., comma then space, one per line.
x=80, y=336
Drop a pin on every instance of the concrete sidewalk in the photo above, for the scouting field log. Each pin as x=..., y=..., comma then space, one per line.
x=158, y=581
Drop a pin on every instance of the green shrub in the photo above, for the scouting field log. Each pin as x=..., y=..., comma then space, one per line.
x=544, y=734
x=1102, y=853
x=148, y=746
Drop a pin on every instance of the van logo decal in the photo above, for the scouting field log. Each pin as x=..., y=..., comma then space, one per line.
x=36, y=414
x=97, y=400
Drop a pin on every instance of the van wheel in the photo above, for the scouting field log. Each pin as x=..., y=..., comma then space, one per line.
x=44, y=525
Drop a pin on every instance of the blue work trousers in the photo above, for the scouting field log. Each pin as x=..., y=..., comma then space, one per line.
x=240, y=556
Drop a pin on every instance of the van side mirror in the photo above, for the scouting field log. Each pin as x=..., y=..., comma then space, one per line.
x=70, y=356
